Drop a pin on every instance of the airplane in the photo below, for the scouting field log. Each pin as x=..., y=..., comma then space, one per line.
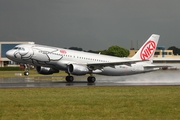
x=48, y=60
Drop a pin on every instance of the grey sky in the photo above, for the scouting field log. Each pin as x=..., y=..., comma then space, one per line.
x=90, y=24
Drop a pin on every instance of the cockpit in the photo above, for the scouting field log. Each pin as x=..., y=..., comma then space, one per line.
x=19, y=48
x=20, y=52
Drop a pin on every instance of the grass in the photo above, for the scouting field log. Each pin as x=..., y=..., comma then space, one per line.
x=32, y=73
x=97, y=103
x=11, y=69
x=91, y=103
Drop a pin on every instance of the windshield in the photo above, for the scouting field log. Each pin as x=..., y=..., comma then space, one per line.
x=19, y=48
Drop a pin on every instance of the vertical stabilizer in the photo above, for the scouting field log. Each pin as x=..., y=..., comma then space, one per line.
x=146, y=52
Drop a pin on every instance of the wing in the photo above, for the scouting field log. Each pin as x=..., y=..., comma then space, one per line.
x=112, y=64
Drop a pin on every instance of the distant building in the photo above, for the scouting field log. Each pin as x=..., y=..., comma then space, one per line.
x=159, y=53
x=4, y=47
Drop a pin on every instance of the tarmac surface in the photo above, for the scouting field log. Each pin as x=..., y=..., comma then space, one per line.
x=169, y=77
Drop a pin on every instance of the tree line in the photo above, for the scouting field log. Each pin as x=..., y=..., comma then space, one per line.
x=176, y=51
x=112, y=51
x=119, y=51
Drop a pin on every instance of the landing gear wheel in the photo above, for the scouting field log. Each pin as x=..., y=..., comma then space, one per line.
x=26, y=73
x=69, y=78
x=91, y=79
x=27, y=67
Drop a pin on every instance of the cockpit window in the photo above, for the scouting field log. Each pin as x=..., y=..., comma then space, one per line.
x=15, y=48
x=19, y=48
x=23, y=49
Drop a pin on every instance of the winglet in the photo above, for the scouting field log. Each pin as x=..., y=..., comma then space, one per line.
x=146, y=52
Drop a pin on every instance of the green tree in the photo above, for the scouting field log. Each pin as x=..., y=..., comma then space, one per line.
x=104, y=52
x=91, y=51
x=76, y=48
x=176, y=51
x=116, y=51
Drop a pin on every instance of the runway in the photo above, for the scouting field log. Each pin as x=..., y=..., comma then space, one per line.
x=147, y=79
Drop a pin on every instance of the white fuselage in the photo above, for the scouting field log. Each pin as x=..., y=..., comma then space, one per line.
x=59, y=58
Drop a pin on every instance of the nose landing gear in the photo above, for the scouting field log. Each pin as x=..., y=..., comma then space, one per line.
x=27, y=67
x=26, y=73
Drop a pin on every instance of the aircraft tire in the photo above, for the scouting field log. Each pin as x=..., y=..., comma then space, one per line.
x=69, y=78
x=91, y=79
x=26, y=73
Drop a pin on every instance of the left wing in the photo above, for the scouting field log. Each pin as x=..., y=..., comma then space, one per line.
x=112, y=64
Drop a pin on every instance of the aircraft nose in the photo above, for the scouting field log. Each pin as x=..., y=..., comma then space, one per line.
x=9, y=54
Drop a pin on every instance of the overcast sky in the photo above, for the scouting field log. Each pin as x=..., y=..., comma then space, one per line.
x=90, y=24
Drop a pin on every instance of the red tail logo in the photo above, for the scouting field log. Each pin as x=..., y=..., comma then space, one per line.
x=148, y=50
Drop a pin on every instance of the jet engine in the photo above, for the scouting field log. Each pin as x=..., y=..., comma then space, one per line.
x=46, y=70
x=77, y=69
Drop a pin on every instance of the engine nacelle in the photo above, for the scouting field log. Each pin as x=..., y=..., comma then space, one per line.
x=77, y=69
x=46, y=70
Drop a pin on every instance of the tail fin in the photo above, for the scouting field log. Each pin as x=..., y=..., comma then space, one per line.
x=146, y=52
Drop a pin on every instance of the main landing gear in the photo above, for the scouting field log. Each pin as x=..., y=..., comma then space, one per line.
x=90, y=79
x=69, y=78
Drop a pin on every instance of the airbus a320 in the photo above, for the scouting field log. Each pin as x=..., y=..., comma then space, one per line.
x=49, y=60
